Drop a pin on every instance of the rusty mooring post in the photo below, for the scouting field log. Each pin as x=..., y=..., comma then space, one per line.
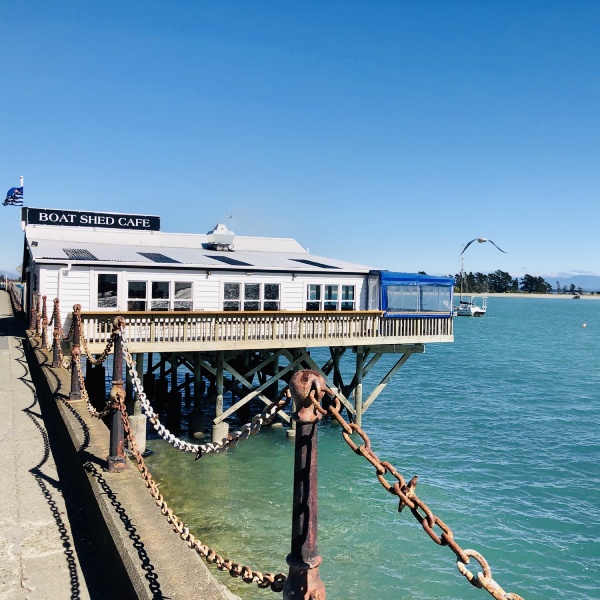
x=32, y=312
x=116, y=457
x=56, y=335
x=44, y=324
x=75, y=393
x=38, y=315
x=303, y=581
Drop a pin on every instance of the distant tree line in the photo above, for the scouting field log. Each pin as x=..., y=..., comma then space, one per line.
x=500, y=282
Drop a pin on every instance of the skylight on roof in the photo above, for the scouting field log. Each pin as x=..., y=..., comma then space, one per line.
x=79, y=254
x=157, y=257
x=313, y=263
x=229, y=260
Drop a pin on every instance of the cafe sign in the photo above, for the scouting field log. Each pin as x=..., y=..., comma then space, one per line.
x=79, y=218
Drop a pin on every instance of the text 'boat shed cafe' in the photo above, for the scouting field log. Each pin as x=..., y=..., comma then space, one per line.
x=240, y=313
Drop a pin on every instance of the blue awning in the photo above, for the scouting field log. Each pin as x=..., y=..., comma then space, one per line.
x=413, y=294
x=392, y=278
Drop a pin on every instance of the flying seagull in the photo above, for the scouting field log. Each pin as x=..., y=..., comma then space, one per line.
x=480, y=240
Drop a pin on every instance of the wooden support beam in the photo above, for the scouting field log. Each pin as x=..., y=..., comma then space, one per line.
x=385, y=381
x=219, y=400
x=350, y=388
x=358, y=394
x=336, y=355
x=255, y=391
x=398, y=348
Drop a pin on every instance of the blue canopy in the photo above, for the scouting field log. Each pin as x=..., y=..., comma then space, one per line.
x=415, y=294
x=391, y=278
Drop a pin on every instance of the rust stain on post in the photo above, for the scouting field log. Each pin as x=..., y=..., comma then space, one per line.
x=303, y=581
x=116, y=457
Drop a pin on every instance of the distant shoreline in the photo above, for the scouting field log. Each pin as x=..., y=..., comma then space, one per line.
x=526, y=295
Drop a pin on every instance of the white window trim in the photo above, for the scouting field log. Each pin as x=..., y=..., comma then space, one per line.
x=94, y=290
x=323, y=300
x=148, y=299
x=261, y=294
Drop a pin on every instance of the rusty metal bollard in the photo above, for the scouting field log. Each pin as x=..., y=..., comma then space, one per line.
x=116, y=456
x=56, y=335
x=303, y=581
x=75, y=393
x=32, y=313
x=44, y=324
x=38, y=315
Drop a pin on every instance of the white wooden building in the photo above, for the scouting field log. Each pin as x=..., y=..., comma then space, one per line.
x=219, y=292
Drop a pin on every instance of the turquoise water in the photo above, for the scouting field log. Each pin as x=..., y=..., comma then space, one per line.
x=502, y=428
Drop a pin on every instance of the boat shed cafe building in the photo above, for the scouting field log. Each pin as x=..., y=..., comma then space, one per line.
x=230, y=309
x=123, y=264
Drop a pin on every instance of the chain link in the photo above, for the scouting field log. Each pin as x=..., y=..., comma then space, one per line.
x=232, y=439
x=248, y=575
x=105, y=352
x=404, y=491
x=85, y=395
x=422, y=513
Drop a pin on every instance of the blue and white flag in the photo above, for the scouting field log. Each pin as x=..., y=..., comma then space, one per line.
x=14, y=197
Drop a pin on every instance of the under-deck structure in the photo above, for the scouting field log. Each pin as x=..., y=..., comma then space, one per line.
x=238, y=314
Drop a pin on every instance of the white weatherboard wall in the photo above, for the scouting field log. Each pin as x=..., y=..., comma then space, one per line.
x=78, y=285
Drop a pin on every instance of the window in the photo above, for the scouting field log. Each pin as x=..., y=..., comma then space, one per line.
x=231, y=296
x=330, y=297
x=271, y=296
x=107, y=291
x=164, y=295
x=251, y=296
x=136, y=295
x=348, y=297
x=183, y=296
x=160, y=295
x=313, y=297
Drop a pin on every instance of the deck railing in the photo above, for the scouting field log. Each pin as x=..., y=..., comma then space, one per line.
x=219, y=330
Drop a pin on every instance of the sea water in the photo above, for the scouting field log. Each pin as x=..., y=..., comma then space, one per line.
x=503, y=428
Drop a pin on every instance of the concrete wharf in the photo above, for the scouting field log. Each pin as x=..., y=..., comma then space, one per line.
x=69, y=528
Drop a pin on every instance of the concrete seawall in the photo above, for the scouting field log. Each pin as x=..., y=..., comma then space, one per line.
x=153, y=559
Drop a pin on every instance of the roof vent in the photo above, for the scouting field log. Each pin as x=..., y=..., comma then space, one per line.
x=220, y=238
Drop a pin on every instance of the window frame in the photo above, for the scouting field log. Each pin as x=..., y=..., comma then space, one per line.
x=328, y=301
x=96, y=291
x=149, y=298
x=242, y=300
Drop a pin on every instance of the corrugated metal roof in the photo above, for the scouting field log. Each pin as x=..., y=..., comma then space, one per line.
x=123, y=247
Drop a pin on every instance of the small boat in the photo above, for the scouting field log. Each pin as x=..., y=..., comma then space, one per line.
x=468, y=307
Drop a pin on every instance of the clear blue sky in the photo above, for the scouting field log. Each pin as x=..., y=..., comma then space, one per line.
x=385, y=133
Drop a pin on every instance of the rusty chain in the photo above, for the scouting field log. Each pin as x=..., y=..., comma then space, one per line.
x=404, y=491
x=248, y=575
x=84, y=394
x=105, y=352
x=71, y=329
x=232, y=439
x=407, y=496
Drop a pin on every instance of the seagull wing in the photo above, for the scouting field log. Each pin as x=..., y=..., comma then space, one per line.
x=468, y=244
x=490, y=241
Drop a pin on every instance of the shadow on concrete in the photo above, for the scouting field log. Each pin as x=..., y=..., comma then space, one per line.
x=105, y=577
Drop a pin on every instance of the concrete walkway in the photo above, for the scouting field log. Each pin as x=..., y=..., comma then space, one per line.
x=38, y=558
x=69, y=528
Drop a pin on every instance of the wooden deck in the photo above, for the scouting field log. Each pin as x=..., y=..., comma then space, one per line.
x=207, y=331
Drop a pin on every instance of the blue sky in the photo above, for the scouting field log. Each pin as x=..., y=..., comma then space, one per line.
x=384, y=133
